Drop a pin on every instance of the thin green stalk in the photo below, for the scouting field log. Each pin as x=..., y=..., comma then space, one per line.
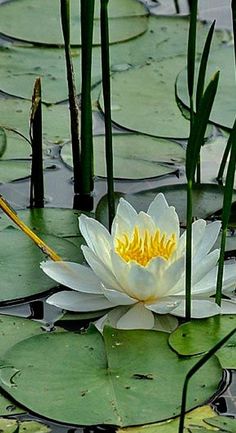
x=177, y=9
x=228, y=193
x=233, y=8
x=87, y=13
x=74, y=110
x=107, y=108
x=193, y=370
x=188, y=262
x=223, y=162
x=37, y=184
x=191, y=55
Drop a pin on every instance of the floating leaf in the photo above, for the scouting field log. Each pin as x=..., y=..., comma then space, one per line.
x=12, y=425
x=120, y=377
x=3, y=142
x=194, y=418
x=223, y=423
x=17, y=147
x=23, y=20
x=221, y=59
x=21, y=275
x=199, y=336
x=135, y=156
x=14, y=170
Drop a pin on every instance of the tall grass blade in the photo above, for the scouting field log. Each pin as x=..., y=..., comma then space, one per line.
x=37, y=184
x=193, y=370
x=87, y=170
x=197, y=132
x=203, y=65
x=228, y=193
x=107, y=107
x=73, y=103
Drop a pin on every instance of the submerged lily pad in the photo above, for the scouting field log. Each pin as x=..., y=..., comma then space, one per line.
x=223, y=111
x=23, y=20
x=119, y=376
x=13, y=426
x=207, y=199
x=135, y=156
x=14, y=170
x=21, y=276
x=198, y=336
x=17, y=147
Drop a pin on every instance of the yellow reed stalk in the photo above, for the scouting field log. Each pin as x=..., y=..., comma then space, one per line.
x=39, y=242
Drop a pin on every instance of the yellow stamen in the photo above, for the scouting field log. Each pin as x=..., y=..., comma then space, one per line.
x=141, y=248
x=39, y=242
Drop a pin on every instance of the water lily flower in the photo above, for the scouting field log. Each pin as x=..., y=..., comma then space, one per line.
x=141, y=265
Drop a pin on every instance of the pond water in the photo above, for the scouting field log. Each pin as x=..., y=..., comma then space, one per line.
x=59, y=193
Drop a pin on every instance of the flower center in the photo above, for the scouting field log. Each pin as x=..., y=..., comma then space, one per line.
x=141, y=248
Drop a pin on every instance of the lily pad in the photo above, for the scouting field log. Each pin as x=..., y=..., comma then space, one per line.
x=21, y=276
x=199, y=336
x=221, y=59
x=207, y=199
x=119, y=375
x=13, y=426
x=195, y=418
x=135, y=156
x=17, y=147
x=14, y=170
x=23, y=21
x=223, y=423
x=3, y=142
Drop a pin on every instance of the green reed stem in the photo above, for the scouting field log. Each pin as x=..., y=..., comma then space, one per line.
x=193, y=370
x=188, y=273
x=191, y=55
x=107, y=108
x=37, y=184
x=228, y=193
x=203, y=65
x=73, y=104
x=87, y=169
x=177, y=8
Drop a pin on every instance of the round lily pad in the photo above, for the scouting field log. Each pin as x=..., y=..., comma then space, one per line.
x=14, y=170
x=115, y=379
x=17, y=147
x=221, y=59
x=21, y=276
x=23, y=21
x=135, y=156
x=143, y=99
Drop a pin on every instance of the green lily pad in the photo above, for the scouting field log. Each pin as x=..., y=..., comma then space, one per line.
x=223, y=423
x=21, y=276
x=3, y=142
x=15, y=113
x=12, y=426
x=17, y=147
x=23, y=21
x=119, y=375
x=143, y=99
x=221, y=59
x=207, y=199
x=199, y=336
x=135, y=156
x=14, y=170
x=193, y=418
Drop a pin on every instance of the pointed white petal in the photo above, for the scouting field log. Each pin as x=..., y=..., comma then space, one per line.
x=165, y=323
x=164, y=216
x=137, y=317
x=200, y=269
x=77, y=301
x=124, y=220
x=73, y=275
x=118, y=298
x=99, y=268
x=199, y=309
x=97, y=237
x=141, y=283
x=172, y=275
x=145, y=223
x=111, y=318
x=164, y=305
x=210, y=236
x=198, y=230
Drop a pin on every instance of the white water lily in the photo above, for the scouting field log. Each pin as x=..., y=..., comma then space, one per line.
x=141, y=265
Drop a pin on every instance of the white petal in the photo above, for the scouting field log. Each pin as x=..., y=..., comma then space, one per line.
x=199, y=309
x=81, y=302
x=198, y=230
x=111, y=318
x=172, y=275
x=145, y=223
x=200, y=269
x=97, y=237
x=118, y=298
x=165, y=323
x=208, y=283
x=210, y=236
x=164, y=216
x=73, y=275
x=102, y=272
x=124, y=220
x=141, y=283
x=228, y=307
x=138, y=317
x=164, y=306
